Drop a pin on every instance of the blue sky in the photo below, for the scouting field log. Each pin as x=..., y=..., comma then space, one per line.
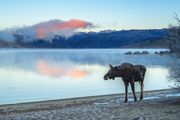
x=107, y=14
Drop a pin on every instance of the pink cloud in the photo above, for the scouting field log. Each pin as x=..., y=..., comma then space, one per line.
x=49, y=28
x=45, y=30
x=41, y=32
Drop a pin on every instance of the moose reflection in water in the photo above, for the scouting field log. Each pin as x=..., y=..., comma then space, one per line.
x=130, y=74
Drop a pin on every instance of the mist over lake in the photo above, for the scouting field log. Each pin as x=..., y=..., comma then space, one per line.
x=42, y=74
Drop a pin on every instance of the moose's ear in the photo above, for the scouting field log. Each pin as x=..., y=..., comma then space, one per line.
x=110, y=66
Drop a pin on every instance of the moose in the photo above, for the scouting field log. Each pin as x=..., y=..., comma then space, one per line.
x=130, y=74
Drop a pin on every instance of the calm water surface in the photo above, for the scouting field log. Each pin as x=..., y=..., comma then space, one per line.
x=44, y=74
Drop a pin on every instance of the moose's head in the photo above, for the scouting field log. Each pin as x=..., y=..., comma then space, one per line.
x=112, y=73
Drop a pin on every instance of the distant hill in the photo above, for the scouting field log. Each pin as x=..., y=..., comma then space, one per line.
x=159, y=43
x=153, y=38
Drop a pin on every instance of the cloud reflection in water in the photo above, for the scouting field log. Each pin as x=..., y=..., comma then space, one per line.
x=45, y=68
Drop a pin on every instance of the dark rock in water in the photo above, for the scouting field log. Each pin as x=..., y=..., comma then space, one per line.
x=145, y=52
x=164, y=52
x=137, y=53
x=156, y=53
x=161, y=52
x=128, y=53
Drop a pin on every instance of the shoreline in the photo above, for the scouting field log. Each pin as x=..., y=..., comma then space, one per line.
x=150, y=92
x=89, y=98
x=155, y=97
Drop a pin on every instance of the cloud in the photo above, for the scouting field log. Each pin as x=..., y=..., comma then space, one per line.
x=6, y=35
x=65, y=28
x=48, y=29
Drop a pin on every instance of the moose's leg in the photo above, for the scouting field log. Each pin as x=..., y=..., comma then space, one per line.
x=142, y=87
x=126, y=91
x=133, y=90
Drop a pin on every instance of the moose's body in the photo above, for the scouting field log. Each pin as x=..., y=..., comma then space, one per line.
x=130, y=73
x=139, y=72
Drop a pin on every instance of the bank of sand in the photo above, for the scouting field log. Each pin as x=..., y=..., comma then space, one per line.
x=157, y=105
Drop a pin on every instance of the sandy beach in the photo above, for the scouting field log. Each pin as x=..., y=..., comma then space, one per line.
x=157, y=105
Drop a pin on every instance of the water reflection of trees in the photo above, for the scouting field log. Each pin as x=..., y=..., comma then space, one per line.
x=175, y=72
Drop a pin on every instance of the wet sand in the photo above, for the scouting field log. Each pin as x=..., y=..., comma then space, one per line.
x=157, y=105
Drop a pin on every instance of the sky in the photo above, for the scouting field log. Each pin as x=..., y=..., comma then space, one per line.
x=105, y=14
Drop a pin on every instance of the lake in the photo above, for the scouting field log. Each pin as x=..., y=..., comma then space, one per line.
x=28, y=75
